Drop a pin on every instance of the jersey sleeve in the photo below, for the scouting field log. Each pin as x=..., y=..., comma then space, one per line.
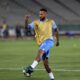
x=54, y=26
x=31, y=25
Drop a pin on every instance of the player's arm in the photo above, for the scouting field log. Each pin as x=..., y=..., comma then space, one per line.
x=31, y=26
x=56, y=33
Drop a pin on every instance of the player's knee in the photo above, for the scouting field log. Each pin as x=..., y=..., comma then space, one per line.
x=40, y=54
x=41, y=51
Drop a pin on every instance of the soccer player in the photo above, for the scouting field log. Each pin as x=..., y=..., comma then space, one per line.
x=5, y=28
x=26, y=29
x=44, y=29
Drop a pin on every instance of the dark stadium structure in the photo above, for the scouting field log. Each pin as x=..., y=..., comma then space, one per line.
x=66, y=13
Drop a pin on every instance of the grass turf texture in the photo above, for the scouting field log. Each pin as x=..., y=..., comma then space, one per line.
x=16, y=54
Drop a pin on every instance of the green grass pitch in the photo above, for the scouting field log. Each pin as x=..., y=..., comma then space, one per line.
x=16, y=54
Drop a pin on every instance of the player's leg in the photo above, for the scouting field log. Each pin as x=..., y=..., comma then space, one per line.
x=28, y=71
x=48, y=69
x=43, y=48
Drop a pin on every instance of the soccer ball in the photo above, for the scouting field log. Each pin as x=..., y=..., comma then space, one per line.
x=26, y=74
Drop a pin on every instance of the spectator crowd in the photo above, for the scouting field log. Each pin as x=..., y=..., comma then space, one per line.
x=17, y=31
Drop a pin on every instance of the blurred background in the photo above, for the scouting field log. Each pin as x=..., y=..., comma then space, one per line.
x=17, y=45
x=66, y=14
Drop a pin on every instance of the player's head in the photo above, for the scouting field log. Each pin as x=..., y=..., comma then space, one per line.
x=42, y=13
x=26, y=17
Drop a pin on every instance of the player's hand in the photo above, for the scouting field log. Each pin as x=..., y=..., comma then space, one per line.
x=57, y=43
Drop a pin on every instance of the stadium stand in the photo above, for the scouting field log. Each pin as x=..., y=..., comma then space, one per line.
x=56, y=9
x=73, y=6
x=64, y=12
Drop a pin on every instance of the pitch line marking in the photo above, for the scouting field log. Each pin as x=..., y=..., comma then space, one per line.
x=60, y=70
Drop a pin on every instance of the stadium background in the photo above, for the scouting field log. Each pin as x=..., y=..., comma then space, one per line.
x=15, y=54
